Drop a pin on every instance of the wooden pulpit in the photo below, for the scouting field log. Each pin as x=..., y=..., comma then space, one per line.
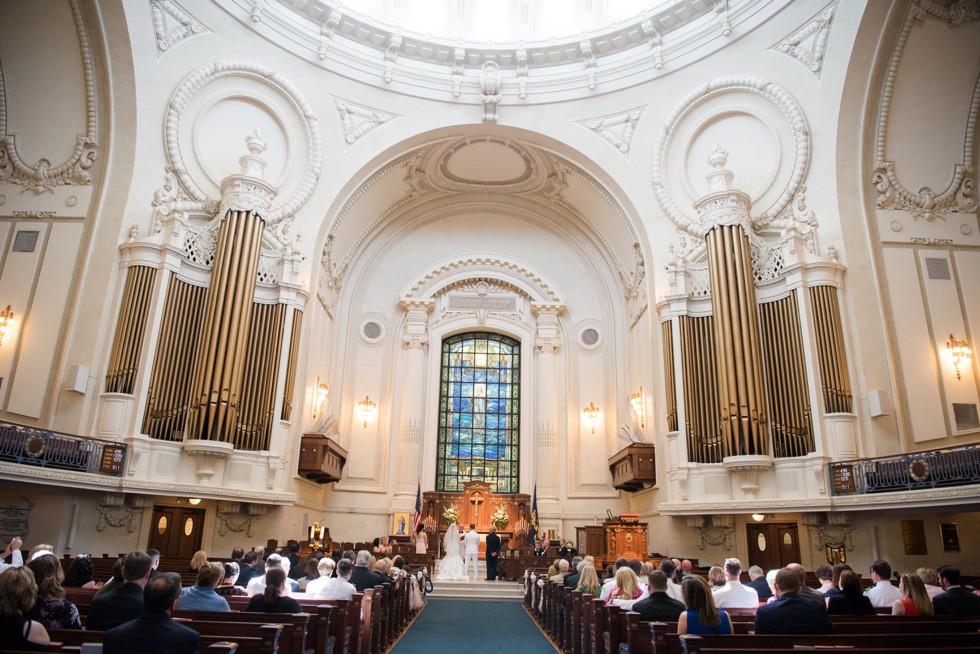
x=625, y=536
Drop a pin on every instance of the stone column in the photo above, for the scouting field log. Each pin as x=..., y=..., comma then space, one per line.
x=546, y=342
x=415, y=336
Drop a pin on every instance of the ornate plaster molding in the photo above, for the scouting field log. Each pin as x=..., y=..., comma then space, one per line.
x=958, y=196
x=236, y=523
x=775, y=94
x=617, y=129
x=714, y=530
x=187, y=25
x=808, y=44
x=42, y=177
x=532, y=283
x=130, y=518
x=223, y=68
x=357, y=120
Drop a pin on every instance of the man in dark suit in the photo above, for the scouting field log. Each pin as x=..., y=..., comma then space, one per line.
x=362, y=577
x=493, y=553
x=154, y=632
x=247, y=569
x=659, y=606
x=571, y=581
x=790, y=613
x=126, y=602
x=955, y=600
x=758, y=577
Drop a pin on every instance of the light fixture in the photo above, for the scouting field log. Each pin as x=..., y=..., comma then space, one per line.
x=194, y=500
x=591, y=414
x=366, y=408
x=6, y=317
x=636, y=405
x=320, y=394
x=957, y=351
x=758, y=517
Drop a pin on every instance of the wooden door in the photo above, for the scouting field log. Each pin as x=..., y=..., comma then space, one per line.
x=176, y=531
x=772, y=545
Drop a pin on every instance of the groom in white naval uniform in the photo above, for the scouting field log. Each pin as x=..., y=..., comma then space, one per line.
x=472, y=542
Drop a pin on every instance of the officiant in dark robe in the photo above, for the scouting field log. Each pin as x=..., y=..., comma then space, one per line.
x=493, y=553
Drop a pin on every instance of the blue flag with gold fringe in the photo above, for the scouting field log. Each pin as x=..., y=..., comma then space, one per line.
x=534, y=517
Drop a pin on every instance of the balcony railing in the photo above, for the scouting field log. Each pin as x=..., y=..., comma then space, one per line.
x=46, y=449
x=956, y=466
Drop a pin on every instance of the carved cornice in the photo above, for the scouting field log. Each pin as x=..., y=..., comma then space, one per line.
x=41, y=177
x=535, y=286
x=958, y=195
x=775, y=94
x=220, y=69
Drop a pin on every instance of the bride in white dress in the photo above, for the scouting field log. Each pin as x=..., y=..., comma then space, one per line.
x=451, y=566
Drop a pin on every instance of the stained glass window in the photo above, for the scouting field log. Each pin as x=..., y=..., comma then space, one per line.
x=479, y=416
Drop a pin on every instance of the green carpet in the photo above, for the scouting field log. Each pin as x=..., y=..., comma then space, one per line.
x=473, y=627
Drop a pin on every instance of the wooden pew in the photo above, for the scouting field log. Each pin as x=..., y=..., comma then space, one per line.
x=293, y=639
x=879, y=642
x=263, y=642
x=575, y=622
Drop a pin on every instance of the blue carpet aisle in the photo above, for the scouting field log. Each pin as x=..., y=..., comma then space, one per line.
x=473, y=627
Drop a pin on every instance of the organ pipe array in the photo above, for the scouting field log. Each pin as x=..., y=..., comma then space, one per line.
x=124, y=359
x=699, y=367
x=290, y=387
x=259, y=376
x=831, y=354
x=216, y=393
x=667, y=341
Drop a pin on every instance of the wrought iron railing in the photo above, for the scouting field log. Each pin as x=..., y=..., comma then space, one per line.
x=956, y=466
x=47, y=449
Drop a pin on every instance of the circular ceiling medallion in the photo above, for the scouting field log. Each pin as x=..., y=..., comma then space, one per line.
x=487, y=162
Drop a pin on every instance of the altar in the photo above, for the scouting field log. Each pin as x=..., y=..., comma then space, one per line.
x=478, y=504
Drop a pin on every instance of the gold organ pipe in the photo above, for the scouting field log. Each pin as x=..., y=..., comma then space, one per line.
x=290, y=386
x=700, y=395
x=218, y=374
x=832, y=356
x=130, y=330
x=667, y=340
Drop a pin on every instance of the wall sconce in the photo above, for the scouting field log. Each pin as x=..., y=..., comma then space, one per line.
x=591, y=414
x=366, y=407
x=636, y=406
x=758, y=517
x=194, y=501
x=6, y=317
x=320, y=394
x=957, y=351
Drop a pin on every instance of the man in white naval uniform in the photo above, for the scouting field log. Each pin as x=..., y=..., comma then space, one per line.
x=471, y=541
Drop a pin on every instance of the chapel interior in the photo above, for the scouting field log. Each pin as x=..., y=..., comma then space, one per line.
x=707, y=268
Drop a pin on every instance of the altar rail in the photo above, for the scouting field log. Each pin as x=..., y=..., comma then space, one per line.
x=955, y=466
x=48, y=449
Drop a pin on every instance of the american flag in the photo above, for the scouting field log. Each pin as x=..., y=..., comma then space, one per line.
x=417, y=518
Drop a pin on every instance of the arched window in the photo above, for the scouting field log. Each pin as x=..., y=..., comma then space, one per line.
x=479, y=416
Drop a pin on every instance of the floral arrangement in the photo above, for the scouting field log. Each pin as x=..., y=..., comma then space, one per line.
x=499, y=517
x=451, y=515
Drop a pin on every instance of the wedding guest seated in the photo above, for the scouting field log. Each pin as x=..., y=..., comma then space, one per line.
x=669, y=568
x=883, y=594
x=627, y=588
x=248, y=568
x=338, y=587
x=296, y=571
x=381, y=568
x=154, y=632
x=835, y=578
x=588, y=581
x=562, y=571
x=609, y=583
x=758, y=582
x=931, y=581
x=850, y=600
x=202, y=597
x=701, y=616
x=199, y=559
x=18, y=592
x=955, y=600
x=658, y=606
x=13, y=551
x=257, y=585
x=575, y=571
x=716, y=578
x=325, y=568
x=733, y=595
x=915, y=600
x=155, y=562
x=311, y=573
x=396, y=569
x=52, y=609
x=382, y=548
x=825, y=575
x=791, y=613
x=805, y=591
x=363, y=577
x=126, y=602
x=41, y=547
x=115, y=581
x=80, y=573
x=272, y=599
x=228, y=585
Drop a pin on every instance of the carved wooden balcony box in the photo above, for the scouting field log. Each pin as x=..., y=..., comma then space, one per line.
x=634, y=467
x=321, y=459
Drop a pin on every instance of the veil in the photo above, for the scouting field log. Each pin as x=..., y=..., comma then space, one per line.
x=450, y=542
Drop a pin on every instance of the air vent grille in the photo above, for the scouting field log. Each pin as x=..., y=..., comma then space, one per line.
x=966, y=416
x=937, y=268
x=25, y=240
